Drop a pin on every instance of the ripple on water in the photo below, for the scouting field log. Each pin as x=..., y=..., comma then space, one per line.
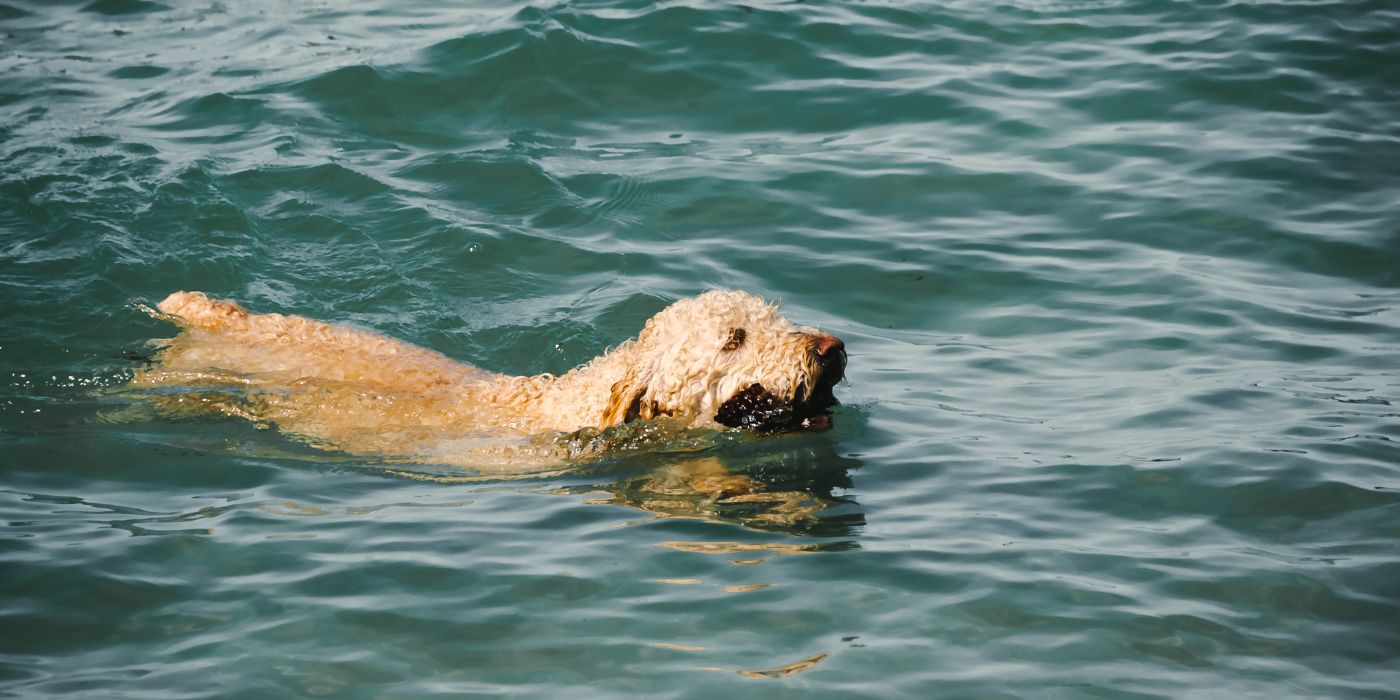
x=1117, y=282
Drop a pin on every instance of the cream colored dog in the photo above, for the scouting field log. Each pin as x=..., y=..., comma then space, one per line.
x=723, y=358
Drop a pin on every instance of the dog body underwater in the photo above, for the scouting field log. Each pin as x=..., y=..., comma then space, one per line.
x=721, y=358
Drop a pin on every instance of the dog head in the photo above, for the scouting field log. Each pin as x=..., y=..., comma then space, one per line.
x=731, y=358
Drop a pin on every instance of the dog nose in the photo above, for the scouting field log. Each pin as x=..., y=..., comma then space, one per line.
x=829, y=346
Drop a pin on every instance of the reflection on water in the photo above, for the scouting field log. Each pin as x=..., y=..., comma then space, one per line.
x=732, y=548
x=780, y=671
x=768, y=485
x=789, y=484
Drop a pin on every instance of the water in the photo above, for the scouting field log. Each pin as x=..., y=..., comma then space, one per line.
x=1118, y=281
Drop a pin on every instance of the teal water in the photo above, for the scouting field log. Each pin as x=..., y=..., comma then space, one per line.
x=1118, y=281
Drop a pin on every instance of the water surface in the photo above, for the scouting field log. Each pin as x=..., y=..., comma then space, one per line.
x=1118, y=281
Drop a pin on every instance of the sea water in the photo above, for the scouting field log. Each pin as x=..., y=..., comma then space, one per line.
x=1118, y=281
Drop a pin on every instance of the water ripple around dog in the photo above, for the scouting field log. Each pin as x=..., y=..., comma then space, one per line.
x=1117, y=279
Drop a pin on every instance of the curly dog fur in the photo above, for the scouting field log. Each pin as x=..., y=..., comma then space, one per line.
x=722, y=357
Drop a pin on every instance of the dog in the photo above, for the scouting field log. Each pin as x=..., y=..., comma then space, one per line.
x=720, y=359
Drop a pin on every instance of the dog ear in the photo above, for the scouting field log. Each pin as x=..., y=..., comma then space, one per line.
x=627, y=401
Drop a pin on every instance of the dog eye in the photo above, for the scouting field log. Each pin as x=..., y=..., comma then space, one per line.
x=736, y=338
